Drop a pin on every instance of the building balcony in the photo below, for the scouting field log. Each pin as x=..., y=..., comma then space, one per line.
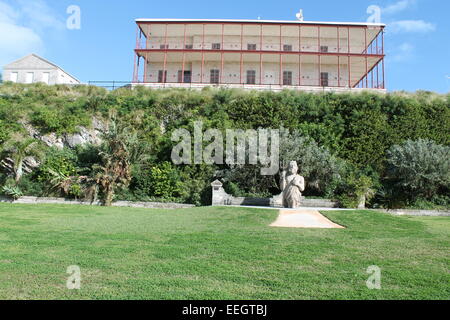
x=319, y=55
x=256, y=48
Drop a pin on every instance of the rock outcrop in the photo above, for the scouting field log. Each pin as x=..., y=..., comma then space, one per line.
x=82, y=137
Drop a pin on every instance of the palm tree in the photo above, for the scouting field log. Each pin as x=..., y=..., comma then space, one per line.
x=118, y=152
x=17, y=150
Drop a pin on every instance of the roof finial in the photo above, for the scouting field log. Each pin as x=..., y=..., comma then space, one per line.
x=300, y=15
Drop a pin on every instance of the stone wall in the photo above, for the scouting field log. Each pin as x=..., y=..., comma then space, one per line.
x=410, y=212
x=221, y=198
x=150, y=205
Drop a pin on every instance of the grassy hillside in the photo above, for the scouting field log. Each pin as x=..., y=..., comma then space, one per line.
x=217, y=253
x=349, y=136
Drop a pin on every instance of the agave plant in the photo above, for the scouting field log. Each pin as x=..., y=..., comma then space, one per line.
x=12, y=191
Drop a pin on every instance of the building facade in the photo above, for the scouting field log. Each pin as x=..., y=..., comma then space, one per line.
x=258, y=54
x=32, y=69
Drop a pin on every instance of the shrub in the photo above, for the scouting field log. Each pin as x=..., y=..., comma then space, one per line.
x=12, y=191
x=163, y=181
x=357, y=190
x=421, y=168
x=60, y=161
x=322, y=170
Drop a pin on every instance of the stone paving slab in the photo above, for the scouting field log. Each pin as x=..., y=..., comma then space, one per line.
x=301, y=218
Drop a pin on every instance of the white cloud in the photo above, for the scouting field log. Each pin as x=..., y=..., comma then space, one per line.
x=40, y=15
x=22, y=27
x=411, y=26
x=398, y=7
x=404, y=52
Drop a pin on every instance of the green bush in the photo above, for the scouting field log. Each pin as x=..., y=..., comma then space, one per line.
x=421, y=168
x=12, y=191
x=57, y=160
x=357, y=191
x=322, y=170
x=165, y=182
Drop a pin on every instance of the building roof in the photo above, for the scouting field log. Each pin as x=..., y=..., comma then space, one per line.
x=263, y=21
x=45, y=60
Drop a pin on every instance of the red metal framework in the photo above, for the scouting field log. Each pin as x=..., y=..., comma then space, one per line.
x=372, y=77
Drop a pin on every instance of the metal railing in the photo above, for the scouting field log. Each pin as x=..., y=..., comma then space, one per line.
x=111, y=84
x=256, y=47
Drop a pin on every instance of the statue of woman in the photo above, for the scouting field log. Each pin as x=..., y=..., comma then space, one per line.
x=292, y=185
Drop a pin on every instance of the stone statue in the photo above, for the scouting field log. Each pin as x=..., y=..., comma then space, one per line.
x=292, y=185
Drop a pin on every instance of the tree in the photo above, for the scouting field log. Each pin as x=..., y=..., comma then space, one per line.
x=120, y=149
x=320, y=168
x=18, y=149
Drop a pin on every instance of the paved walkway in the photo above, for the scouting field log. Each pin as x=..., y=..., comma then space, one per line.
x=303, y=218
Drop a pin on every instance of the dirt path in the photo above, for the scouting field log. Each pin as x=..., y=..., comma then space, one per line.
x=301, y=218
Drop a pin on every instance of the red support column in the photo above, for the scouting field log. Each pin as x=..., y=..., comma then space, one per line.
x=221, y=55
x=382, y=48
x=339, y=71
x=203, y=54
x=378, y=79
x=223, y=35
x=260, y=69
x=137, y=67
x=281, y=70
x=240, y=70
x=371, y=74
x=376, y=44
x=165, y=36
x=367, y=66
x=221, y=66
x=145, y=67
x=281, y=60
x=147, y=43
x=299, y=55
x=320, y=70
x=318, y=39
x=241, y=62
x=242, y=36
x=348, y=40
x=318, y=50
x=164, y=75
x=349, y=73
x=137, y=36
x=338, y=51
x=260, y=55
x=338, y=40
x=184, y=55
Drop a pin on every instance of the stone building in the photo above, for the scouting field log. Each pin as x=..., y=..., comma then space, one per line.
x=32, y=69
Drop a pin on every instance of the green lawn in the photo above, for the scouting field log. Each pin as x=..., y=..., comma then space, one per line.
x=217, y=253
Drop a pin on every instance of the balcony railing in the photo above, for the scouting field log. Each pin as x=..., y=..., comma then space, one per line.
x=252, y=47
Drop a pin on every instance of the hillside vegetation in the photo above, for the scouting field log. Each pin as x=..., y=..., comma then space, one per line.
x=353, y=145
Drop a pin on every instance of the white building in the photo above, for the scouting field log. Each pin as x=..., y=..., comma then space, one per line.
x=32, y=69
x=259, y=54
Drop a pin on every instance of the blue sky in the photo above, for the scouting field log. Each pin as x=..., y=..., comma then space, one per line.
x=417, y=39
